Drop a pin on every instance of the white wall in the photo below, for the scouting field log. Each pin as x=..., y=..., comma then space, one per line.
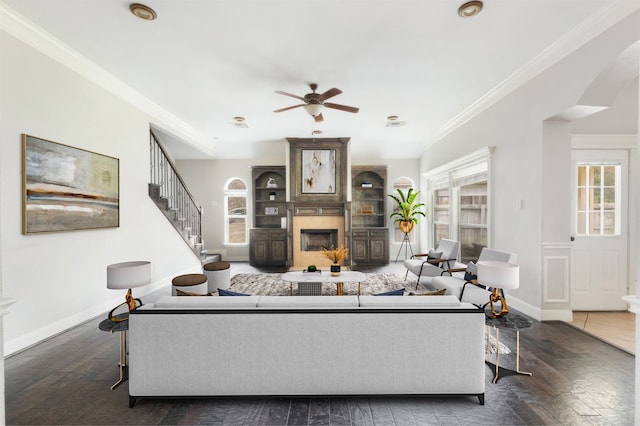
x=59, y=279
x=206, y=180
x=514, y=125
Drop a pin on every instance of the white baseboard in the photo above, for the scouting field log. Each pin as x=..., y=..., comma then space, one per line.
x=524, y=307
x=100, y=309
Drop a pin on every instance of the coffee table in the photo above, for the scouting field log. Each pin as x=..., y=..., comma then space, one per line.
x=323, y=277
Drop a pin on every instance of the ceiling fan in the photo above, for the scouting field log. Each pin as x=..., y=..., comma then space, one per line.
x=314, y=102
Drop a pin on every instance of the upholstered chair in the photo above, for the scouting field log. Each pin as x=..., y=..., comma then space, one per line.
x=469, y=290
x=433, y=264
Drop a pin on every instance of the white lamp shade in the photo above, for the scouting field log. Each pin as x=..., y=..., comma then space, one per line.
x=498, y=274
x=127, y=275
x=313, y=109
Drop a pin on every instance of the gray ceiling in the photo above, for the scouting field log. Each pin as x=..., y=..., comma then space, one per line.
x=205, y=62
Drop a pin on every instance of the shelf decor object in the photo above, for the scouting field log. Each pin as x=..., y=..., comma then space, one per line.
x=127, y=275
x=67, y=188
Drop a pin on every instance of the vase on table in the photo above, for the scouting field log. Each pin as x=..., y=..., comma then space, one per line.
x=335, y=270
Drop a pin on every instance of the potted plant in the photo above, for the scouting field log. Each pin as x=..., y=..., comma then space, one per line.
x=408, y=210
x=336, y=255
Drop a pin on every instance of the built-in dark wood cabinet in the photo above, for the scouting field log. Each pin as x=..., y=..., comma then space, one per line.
x=268, y=238
x=370, y=236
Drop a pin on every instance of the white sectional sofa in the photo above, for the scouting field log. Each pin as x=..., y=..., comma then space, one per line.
x=306, y=346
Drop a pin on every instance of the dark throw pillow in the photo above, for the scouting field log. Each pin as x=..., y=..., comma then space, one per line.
x=398, y=292
x=434, y=255
x=471, y=273
x=223, y=292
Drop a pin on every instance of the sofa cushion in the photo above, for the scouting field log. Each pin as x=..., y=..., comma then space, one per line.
x=223, y=292
x=178, y=302
x=398, y=292
x=307, y=302
x=440, y=292
x=408, y=302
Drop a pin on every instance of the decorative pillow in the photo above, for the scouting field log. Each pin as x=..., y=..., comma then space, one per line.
x=440, y=292
x=223, y=292
x=434, y=255
x=190, y=293
x=471, y=273
x=398, y=292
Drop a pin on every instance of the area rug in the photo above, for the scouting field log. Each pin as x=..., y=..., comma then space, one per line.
x=273, y=285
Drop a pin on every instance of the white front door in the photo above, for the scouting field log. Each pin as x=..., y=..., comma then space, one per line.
x=600, y=207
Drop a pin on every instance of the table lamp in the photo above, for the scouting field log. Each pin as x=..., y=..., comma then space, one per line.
x=127, y=275
x=499, y=276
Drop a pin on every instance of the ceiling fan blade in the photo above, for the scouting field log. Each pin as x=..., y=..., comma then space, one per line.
x=329, y=94
x=319, y=118
x=289, y=94
x=288, y=108
x=341, y=107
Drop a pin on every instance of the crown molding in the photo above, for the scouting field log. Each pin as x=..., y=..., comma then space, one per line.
x=604, y=18
x=34, y=36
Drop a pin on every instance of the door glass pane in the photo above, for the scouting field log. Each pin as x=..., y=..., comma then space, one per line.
x=595, y=175
x=597, y=201
x=582, y=199
x=609, y=175
x=609, y=199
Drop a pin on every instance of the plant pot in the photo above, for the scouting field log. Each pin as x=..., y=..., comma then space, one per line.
x=406, y=226
x=335, y=270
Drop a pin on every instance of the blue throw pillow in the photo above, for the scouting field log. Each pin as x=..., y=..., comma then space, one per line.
x=223, y=292
x=398, y=292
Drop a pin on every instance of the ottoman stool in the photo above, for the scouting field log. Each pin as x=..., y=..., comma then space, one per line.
x=192, y=283
x=218, y=274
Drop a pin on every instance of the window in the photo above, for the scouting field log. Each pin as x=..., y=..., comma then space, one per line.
x=472, y=223
x=402, y=183
x=235, y=207
x=440, y=215
x=598, y=209
x=460, y=203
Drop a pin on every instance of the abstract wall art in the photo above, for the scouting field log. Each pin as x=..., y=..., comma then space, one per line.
x=67, y=188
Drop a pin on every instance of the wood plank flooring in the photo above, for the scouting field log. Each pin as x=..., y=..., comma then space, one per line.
x=577, y=380
x=617, y=328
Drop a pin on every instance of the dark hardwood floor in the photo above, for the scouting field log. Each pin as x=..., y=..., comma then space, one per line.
x=577, y=379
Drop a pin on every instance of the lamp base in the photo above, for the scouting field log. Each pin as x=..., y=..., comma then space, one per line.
x=131, y=305
x=496, y=296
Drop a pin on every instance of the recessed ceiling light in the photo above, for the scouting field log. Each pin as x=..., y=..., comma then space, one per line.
x=469, y=9
x=239, y=122
x=316, y=132
x=392, y=117
x=142, y=11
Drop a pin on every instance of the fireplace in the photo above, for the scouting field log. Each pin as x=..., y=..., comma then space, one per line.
x=318, y=239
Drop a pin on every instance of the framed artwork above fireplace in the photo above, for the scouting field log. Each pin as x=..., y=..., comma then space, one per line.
x=318, y=169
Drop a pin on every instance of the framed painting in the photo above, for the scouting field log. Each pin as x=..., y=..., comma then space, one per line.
x=318, y=171
x=67, y=188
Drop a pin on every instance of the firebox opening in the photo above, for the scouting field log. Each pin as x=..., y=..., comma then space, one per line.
x=318, y=239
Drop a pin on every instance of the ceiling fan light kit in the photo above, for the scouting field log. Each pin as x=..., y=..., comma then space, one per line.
x=314, y=103
x=469, y=9
x=142, y=11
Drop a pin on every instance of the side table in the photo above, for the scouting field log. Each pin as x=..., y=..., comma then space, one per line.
x=511, y=321
x=120, y=327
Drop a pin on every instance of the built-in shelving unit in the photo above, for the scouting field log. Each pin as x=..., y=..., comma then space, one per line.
x=267, y=237
x=370, y=236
